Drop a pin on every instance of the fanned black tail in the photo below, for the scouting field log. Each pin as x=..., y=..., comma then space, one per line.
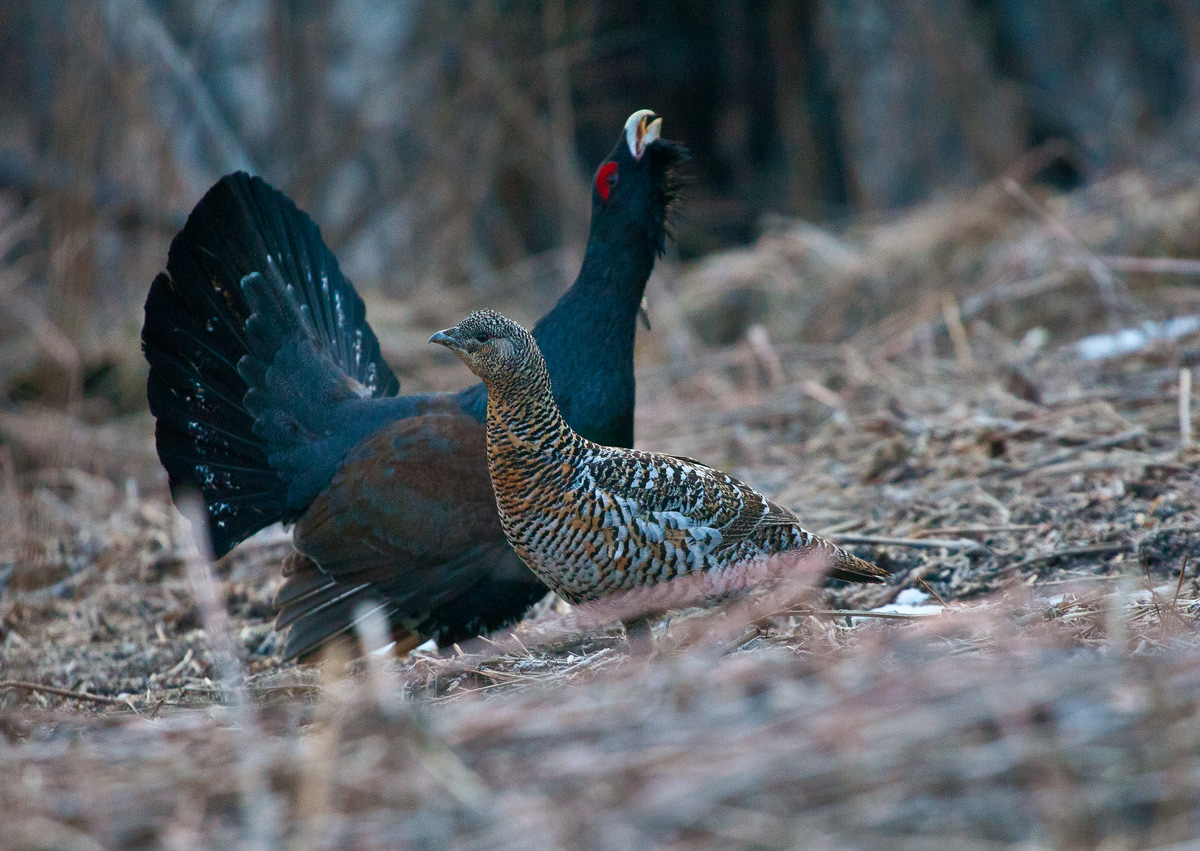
x=253, y=337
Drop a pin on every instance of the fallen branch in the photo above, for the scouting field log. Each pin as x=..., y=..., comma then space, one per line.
x=977, y=530
x=857, y=613
x=915, y=543
x=1071, y=552
x=1152, y=265
x=1107, y=442
x=1185, y=408
x=61, y=692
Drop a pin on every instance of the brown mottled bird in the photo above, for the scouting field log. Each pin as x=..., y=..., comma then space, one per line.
x=595, y=520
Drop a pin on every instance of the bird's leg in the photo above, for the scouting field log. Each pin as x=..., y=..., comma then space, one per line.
x=639, y=635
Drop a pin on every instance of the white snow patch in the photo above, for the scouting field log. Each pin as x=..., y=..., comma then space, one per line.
x=910, y=597
x=910, y=601
x=1129, y=340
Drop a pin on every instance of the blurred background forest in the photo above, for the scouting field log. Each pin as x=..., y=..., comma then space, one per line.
x=448, y=147
x=453, y=142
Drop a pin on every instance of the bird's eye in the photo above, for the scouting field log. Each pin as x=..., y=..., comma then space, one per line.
x=606, y=179
x=482, y=336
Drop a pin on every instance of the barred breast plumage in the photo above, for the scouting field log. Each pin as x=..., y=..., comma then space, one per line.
x=595, y=520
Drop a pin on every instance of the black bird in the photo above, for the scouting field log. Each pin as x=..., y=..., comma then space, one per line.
x=274, y=403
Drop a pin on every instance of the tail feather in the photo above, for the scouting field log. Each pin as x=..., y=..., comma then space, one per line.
x=851, y=568
x=207, y=352
x=320, y=610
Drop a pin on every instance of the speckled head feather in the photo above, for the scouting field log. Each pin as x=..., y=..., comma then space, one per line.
x=495, y=348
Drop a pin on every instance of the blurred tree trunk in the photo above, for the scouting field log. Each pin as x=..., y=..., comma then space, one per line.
x=920, y=107
x=1103, y=74
x=74, y=135
x=876, y=104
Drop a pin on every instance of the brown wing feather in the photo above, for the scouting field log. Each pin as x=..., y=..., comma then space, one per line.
x=418, y=489
x=409, y=522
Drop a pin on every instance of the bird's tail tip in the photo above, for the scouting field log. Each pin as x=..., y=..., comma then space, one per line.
x=851, y=568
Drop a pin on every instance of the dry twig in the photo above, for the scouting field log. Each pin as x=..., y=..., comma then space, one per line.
x=63, y=692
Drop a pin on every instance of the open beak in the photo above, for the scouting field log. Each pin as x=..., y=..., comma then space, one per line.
x=444, y=339
x=642, y=128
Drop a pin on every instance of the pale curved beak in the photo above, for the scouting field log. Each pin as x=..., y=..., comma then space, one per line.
x=444, y=339
x=642, y=128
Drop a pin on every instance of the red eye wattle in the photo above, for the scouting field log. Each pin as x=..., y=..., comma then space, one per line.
x=606, y=179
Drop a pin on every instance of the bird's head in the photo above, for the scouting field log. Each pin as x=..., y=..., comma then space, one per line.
x=637, y=184
x=493, y=347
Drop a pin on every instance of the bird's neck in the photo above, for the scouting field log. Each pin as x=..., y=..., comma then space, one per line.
x=529, y=444
x=588, y=338
x=605, y=297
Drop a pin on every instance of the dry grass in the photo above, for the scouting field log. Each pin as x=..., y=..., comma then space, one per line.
x=1047, y=501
